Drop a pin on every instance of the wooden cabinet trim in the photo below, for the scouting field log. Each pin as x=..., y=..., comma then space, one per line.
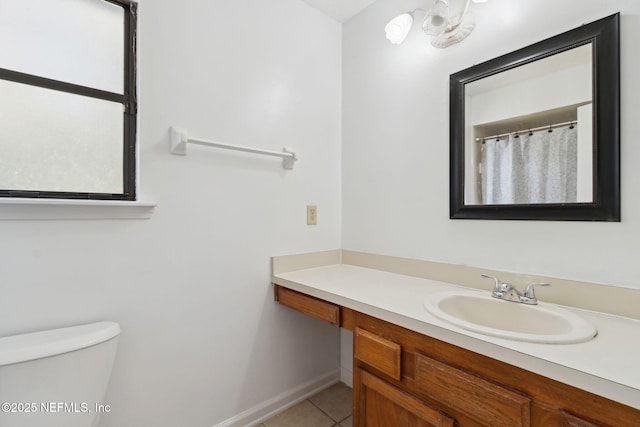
x=311, y=306
x=569, y=420
x=476, y=397
x=347, y=318
x=402, y=399
x=377, y=352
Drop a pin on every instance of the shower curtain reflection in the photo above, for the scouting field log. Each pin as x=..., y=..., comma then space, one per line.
x=531, y=168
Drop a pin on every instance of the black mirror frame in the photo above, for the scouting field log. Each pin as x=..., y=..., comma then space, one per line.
x=605, y=36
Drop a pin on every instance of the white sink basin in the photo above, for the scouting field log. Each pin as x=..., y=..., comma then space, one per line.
x=480, y=312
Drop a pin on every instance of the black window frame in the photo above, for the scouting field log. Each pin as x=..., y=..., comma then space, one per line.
x=128, y=100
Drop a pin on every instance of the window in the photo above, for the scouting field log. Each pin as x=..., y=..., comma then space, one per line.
x=67, y=99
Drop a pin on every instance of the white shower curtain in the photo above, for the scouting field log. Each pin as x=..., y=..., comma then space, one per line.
x=530, y=169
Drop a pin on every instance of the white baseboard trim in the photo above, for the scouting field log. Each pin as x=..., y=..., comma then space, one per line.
x=346, y=376
x=265, y=410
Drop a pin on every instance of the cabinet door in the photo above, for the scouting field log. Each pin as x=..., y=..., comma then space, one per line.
x=379, y=404
x=568, y=420
x=486, y=402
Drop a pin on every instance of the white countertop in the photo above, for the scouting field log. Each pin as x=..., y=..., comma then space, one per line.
x=607, y=365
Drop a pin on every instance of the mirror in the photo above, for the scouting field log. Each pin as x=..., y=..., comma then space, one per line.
x=535, y=133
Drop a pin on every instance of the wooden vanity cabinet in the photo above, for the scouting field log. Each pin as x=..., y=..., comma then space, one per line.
x=405, y=379
x=476, y=390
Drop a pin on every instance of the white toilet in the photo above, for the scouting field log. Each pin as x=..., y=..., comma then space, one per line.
x=57, y=378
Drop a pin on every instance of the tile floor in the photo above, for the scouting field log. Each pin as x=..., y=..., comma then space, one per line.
x=330, y=407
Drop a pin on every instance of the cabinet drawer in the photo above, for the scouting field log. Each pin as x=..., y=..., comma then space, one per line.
x=308, y=305
x=377, y=352
x=478, y=398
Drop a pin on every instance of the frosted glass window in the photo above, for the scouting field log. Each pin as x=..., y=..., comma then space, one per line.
x=76, y=41
x=57, y=141
x=67, y=99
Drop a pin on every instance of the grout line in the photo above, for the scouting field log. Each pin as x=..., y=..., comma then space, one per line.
x=321, y=410
x=336, y=423
x=330, y=417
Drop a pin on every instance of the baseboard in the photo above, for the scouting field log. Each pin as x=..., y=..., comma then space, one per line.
x=265, y=410
x=346, y=376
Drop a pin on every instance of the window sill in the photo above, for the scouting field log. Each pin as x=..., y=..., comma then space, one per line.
x=59, y=209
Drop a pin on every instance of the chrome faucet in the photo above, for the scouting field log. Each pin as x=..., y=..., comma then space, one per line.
x=507, y=292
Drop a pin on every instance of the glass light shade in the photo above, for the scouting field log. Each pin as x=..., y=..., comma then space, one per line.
x=436, y=21
x=480, y=1
x=398, y=28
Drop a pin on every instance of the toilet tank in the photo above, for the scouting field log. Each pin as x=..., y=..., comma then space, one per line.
x=57, y=378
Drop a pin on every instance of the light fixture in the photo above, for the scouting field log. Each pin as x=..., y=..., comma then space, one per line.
x=436, y=21
x=398, y=28
x=444, y=31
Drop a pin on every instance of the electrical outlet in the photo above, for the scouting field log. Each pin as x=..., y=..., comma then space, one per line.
x=312, y=215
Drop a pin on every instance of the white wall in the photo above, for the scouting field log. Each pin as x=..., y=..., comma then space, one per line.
x=396, y=146
x=202, y=338
x=555, y=90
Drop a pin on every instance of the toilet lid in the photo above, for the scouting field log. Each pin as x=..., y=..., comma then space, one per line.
x=36, y=345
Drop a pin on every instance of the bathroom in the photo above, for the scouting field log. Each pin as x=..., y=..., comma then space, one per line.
x=202, y=340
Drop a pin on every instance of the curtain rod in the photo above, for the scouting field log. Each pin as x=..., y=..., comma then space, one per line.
x=557, y=125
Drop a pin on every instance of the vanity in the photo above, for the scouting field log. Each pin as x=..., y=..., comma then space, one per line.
x=437, y=345
x=412, y=368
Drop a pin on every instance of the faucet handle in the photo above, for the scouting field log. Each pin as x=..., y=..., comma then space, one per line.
x=500, y=287
x=529, y=293
x=497, y=284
